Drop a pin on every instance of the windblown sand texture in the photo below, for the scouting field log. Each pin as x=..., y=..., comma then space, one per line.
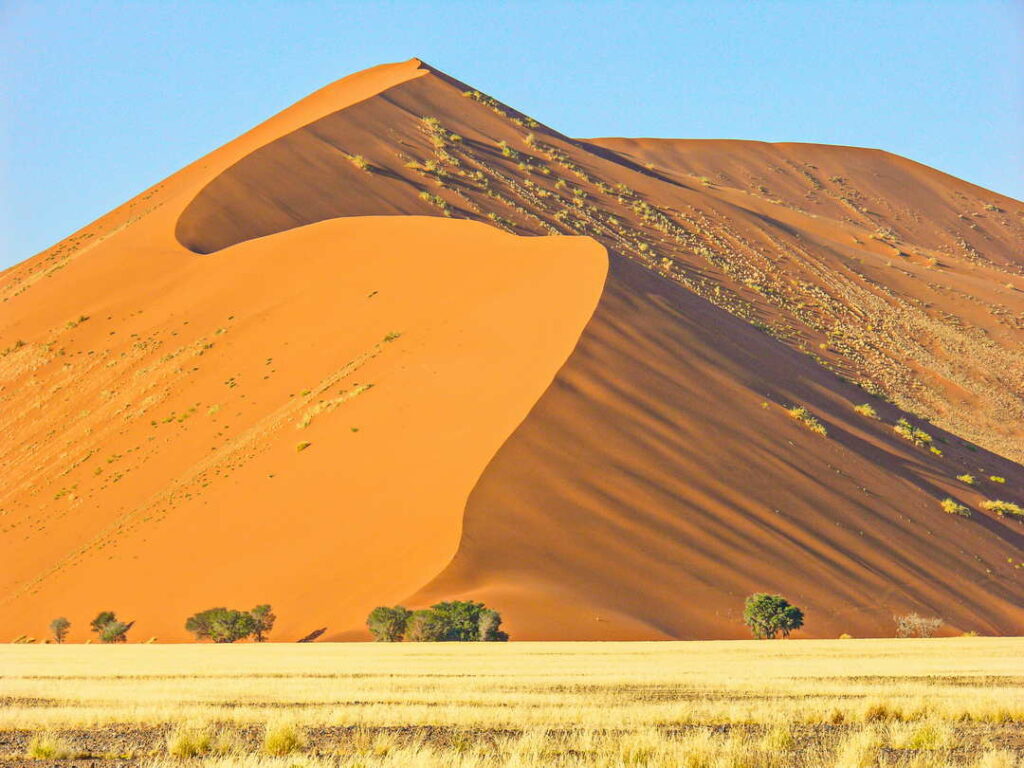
x=402, y=343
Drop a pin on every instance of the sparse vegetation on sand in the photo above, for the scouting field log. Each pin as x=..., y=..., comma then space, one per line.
x=1004, y=508
x=456, y=621
x=866, y=410
x=953, y=507
x=913, y=625
x=806, y=704
x=226, y=625
x=805, y=417
x=908, y=431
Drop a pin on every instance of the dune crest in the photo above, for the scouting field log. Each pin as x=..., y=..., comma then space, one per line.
x=401, y=342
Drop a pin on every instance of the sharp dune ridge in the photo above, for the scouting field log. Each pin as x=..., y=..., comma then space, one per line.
x=402, y=342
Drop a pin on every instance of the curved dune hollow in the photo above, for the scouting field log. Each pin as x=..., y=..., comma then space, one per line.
x=285, y=374
x=297, y=420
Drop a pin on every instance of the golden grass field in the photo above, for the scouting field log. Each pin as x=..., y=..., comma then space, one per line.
x=935, y=702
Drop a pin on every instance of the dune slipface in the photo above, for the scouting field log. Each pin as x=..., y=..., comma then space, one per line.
x=402, y=343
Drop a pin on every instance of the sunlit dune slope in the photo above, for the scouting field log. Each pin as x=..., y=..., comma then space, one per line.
x=159, y=461
x=288, y=374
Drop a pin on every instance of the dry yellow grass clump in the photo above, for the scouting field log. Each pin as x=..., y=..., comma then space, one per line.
x=955, y=701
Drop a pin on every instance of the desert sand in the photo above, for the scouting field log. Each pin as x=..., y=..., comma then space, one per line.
x=402, y=343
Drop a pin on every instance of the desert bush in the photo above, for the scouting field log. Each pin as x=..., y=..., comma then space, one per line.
x=109, y=628
x=866, y=410
x=908, y=431
x=115, y=632
x=282, y=739
x=953, y=507
x=914, y=625
x=360, y=162
x=768, y=615
x=222, y=625
x=461, y=619
x=59, y=629
x=997, y=479
x=43, y=746
x=967, y=479
x=388, y=625
x=489, y=626
x=1003, y=508
x=426, y=626
x=189, y=742
x=805, y=417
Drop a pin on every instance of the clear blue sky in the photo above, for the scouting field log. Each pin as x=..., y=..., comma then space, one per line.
x=102, y=99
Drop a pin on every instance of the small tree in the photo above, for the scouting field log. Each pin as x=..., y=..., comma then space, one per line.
x=461, y=619
x=59, y=628
x=768, y=615
x=263, y=622
x=388, y=625
x=102, y=619
x=427, y=626
x=115, y=631
x=222, y=625
x=490, y=626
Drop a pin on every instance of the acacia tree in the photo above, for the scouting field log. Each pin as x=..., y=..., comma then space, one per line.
x=109, y=628
x=768, y=615
x=59, y=628
x=222, y=625
x=115, y=631
x=427, y=626
x=263, y=622
x=489, y=626
x=388, y=625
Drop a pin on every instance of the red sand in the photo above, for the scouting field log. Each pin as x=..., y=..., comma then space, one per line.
x=629, y=467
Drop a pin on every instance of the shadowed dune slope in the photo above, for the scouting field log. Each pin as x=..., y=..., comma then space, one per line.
x=660, y=480
x=279, y=374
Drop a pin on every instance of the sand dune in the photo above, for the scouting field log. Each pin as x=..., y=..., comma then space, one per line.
x=288, y=373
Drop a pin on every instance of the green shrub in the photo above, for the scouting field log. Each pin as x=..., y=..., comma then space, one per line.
x=59, y=629
x=768, y=615
x=388, y=625
x=222, y=625
x=997, y=479
x=109, y=629
x=866, y=410
x=968, y=479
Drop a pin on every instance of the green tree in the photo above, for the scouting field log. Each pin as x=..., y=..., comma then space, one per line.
x=388, y=625
x=461, y=619
x=768, y=615
x=115, y=631
x=222, y=625
x=489, y=626
x=102, y=619
x=263, y=622
x=427, y=626
x=59, y=628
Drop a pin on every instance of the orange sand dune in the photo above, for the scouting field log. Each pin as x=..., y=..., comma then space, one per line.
x=282, y=376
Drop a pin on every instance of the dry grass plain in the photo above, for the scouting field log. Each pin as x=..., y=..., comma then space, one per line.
x=938, y=702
